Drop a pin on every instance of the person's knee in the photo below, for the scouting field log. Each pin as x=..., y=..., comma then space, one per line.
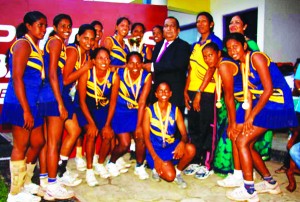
x=140, y=141
x=190, y=149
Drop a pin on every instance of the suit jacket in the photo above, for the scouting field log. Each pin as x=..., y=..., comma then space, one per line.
x=172, y=68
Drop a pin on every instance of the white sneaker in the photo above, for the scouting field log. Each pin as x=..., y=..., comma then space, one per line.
x=95, y=159
x=122, y=163
x=112, y=169
x=69, y=179
x=265, y=187
x=23, y=197
x=31, y=188
x=57, y=191
x=91, y=179
x=101, y=170
x=155, y=175
x=203, y=173
x=141, y=172
x=80, y=164
x=191, y=169
x=231, y=181
x=241, y=194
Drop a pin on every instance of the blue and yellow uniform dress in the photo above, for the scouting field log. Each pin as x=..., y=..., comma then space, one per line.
x=126, y=112
x=12, y=111
x=69, y=91
x=163, y=150
x=47, y=100
x=118, y=54
x=223, y=161
x=279, y=110
x=98, y=109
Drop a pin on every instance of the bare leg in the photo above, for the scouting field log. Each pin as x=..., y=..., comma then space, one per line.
x=122, y=147
x=245, y=155
x=290, y=175
x=190, y=152
x=54, y=132
x=73, y=131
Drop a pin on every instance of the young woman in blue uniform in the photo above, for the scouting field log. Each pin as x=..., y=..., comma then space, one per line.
x=269, y=106
x=98, y=91
x=116, y=44
x=20, y=109
x=53, y=108
x=77, y=64
x=160, y=122
x=134, y=88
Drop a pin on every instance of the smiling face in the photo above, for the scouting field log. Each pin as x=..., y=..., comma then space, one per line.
x=99, y=32
x=123, y=28
x=237, y=25
x=236, y=49
x=38, y=29
x=138, y=31
x=86, y=40
x=102, y=60
x=163, y=92
x=157, y=34
x=134, y=65
x=63, y=29
x=211, y=57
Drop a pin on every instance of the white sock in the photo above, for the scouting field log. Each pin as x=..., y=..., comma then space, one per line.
x=178, y=172
x=238, y=174
x=63, y=158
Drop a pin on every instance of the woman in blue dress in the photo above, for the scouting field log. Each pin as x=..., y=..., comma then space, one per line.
x=267, y=104
x=135, y=84
x=166, y=155
x=20, y=109
x=53, y=109
x=116, y=44
x=77, y=64
x=97, y=92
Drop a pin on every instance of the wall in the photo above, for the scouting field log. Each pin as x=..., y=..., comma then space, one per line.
x=223, y=7
x=282, y=30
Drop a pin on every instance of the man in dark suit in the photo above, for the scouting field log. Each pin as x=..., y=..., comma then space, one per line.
x=170, y=60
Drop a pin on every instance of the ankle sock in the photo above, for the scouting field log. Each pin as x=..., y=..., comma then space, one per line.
x=238, y=174
x=270, y=180
x=249, y=186
x=43, y=179
x=51, y=180
x=178, y=172
x=79, y=152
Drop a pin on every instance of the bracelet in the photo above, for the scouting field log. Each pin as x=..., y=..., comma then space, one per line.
x=199, y=91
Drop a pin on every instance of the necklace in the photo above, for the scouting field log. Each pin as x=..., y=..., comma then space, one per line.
x=164, y=127
x=95, y=86
x=218, y=89
x=245, y=75
x=40, y=54
x=138, y=85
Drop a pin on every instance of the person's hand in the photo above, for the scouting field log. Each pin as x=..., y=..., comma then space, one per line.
x=63, y=113
x=88, y=64
x=196, y=102
x=107, y=132
x=158, y=165
x=248, y=126
x=187, y=100
x=138, y=132
x=232, y=131
x=179, y=151
x=91, y=130
x=28, y=121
